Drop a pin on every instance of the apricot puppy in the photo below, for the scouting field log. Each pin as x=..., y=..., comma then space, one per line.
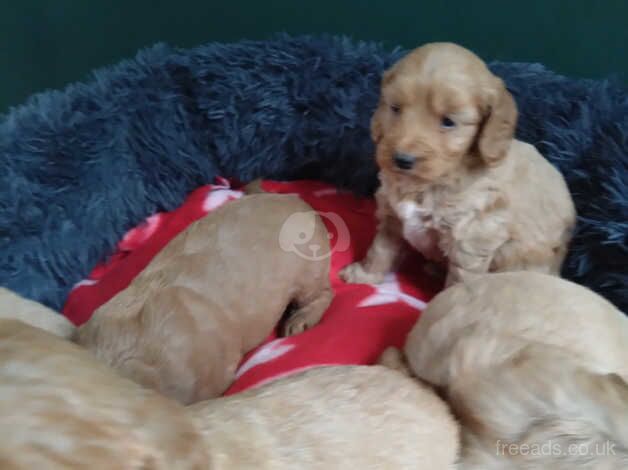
x=344, y=417
x=534, y=367
x=213, y=293
x=455, y=183
x=61, y=408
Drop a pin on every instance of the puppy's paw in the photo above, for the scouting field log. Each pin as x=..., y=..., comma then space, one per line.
x=308, y=315
x=295, y=325
x=394, y=359
x=301, y=320
x=356, y=274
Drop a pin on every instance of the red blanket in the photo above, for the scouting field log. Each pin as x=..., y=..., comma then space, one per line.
x=361, y=321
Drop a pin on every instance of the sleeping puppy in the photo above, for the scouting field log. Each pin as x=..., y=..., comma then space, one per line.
x=213, y=293
x=16, y=307
x=455, y=184
x=534, y=367
x=363, y=417
x=61, y=408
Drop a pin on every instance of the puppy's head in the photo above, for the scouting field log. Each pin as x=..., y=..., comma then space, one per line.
x=440, y=108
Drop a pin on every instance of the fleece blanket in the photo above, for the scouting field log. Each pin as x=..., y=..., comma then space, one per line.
x=361, y=321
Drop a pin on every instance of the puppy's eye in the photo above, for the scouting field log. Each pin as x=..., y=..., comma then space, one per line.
x=395, y=108
x=447, y=123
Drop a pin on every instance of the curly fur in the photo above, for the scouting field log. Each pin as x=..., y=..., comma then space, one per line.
x=79, y=167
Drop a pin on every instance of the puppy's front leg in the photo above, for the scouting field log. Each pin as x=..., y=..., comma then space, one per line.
x=381, y=257
x=472, y=248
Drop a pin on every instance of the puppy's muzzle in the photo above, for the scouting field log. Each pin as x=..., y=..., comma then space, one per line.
x=404, y=161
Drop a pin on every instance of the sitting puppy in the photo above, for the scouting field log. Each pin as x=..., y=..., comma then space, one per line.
x=331, y=417
x=534, y=367
x=61, y=408
x=455, y=184
x=213, y=293
x=17, y=307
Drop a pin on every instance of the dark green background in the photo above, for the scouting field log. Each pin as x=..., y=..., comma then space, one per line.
x=48, y=43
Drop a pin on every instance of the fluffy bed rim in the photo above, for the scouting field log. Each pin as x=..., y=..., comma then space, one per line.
x=80, y=166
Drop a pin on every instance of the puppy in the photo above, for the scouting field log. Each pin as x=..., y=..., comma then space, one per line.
x=455, y=184
x=534, y=367
x=14, y=306
x=61, y=409
x=365, y=417
x=213, y=293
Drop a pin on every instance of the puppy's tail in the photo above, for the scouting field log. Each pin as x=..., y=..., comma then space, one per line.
x=15, y=307
x=543, y=409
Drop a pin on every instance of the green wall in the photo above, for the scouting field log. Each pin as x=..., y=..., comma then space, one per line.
x=48, y=43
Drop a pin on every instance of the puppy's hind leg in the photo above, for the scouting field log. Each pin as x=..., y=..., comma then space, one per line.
x=309, y=311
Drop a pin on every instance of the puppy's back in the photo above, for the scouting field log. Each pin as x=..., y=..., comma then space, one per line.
x=211, y=294
x=543, y=220
x=542, y=410
x=487, y=320
x=62, y=409
x=331, y=417
x=33, y=313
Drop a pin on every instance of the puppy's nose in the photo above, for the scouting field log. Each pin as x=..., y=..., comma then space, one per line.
x=404, y=161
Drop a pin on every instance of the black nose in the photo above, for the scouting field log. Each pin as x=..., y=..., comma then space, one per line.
x=404, y=161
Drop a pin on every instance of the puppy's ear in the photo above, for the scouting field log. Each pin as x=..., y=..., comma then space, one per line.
x=499, y=125
x=376, y=125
